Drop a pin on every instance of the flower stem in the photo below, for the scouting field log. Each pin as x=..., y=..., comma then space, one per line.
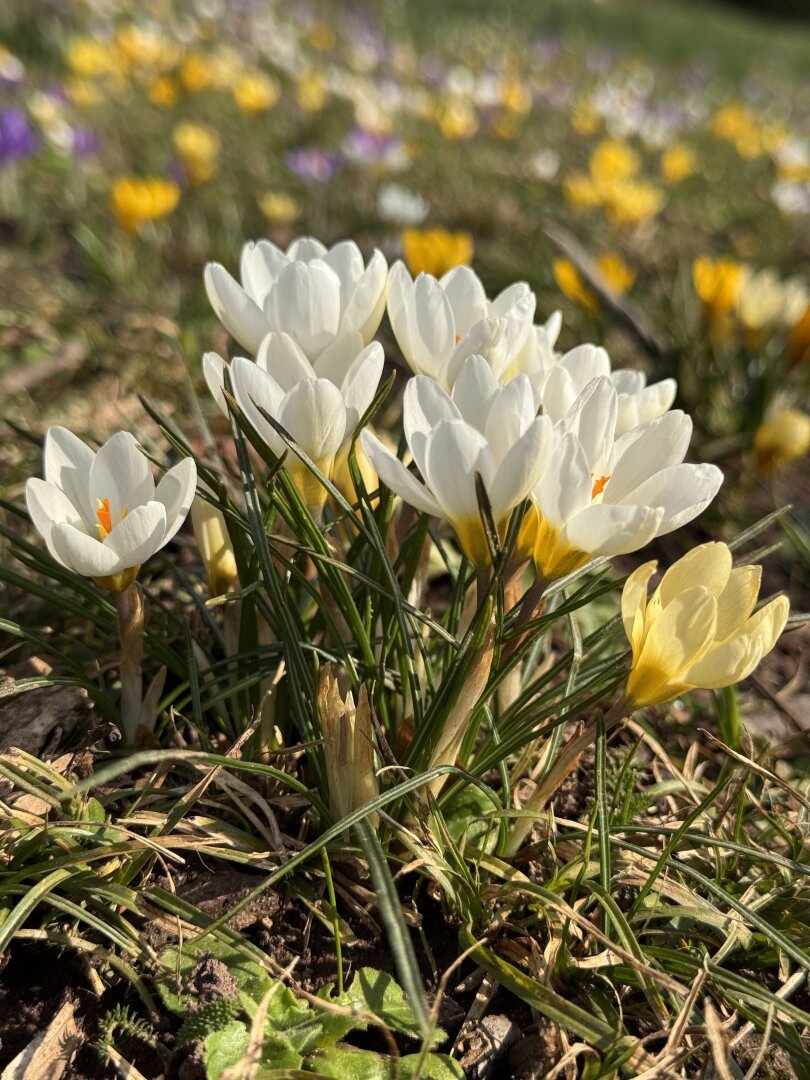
x=130, y=609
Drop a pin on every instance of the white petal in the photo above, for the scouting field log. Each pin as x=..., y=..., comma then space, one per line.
x=305, y=249
x=364, y=308
x=517, y=301
x=592, y=418
x=259, y=267
x=564, y=489
x=67, y=462
x=139, y=535
x=646, y=450
x=175, y=491
x=682, y=491
x=337, y=359
x=511, y=413
x=121, y=474
x=305, y=303
x=361, y=383
x=47, y=506
x=602, y=529
x=424, y=404
x=551, y=327
x=395, y=476
x=400, y=296
x=282, y=358
x=585, y=362
x=466, y=297
x=474, y=388
x=488, y=338
x=252, y=384
x=240, y=316
x=521, y=467
x=453, y=454
x=214, y=372
x=314, y=415
x=433, y=335
x=82, y=553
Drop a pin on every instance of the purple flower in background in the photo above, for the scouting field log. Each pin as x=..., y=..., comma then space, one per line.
x=312, y=164
x=367, y=148
x=17, y=137
x=85, y=141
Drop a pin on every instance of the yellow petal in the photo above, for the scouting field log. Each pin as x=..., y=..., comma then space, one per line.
x=737, y=600
x=737, y=657
x=708, y=565
x=681, y=634
x=634, y=604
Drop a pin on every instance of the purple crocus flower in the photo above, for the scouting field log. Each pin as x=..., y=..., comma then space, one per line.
x=313, y=164
x=17, y=137
x=85, y=141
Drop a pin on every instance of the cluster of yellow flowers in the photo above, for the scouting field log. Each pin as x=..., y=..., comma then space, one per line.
x=135, y=201
x=750, y=137
x=613, y=185
x=614, y=274
x=435, y=251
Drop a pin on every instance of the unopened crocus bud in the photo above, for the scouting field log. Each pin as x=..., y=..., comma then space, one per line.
x=697, y=630
x=215, y=547
x=348, y=746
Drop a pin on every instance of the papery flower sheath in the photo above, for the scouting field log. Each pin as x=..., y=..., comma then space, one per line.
x=697, y=629
x=480, y=428
x=438, y=323
x=312, y=293
x=101, y=514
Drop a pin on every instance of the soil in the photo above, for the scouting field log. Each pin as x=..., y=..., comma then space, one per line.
x=36, y=981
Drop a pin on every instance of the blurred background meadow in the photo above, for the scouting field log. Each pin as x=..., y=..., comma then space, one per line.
x=644, y=167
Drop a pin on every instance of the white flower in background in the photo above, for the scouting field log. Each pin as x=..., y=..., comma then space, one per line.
x=480, y=428
x=766, y=304
x=100, y=514
x=791, y=197
x=318, y=406
x=545, y=165
x=601, y=495
x=401, y=206
x=568, y=377
x=312, y=293
x=439, y=323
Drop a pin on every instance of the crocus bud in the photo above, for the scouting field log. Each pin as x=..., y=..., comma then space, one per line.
x=215, y=547
x=348, y=746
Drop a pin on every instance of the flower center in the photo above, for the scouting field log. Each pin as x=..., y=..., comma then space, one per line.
x=105, y=523
x=599, y=486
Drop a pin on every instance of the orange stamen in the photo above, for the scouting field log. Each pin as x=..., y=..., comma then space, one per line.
x=105, y=524
x=103, y=514
x=599, y=486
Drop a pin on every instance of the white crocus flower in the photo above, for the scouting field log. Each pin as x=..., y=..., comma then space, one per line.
x=318, y=406
x=602, y=495
x=480, y=428
x=438, y=323
x=568, y=377
x=100, y=514
x=312, y=293
x=538, y=354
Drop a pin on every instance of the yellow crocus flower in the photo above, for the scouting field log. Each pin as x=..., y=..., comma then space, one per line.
x=136, y=200
x=716, y=282
x=256, y=92
x=697, y=630
x=613, y=159
x=198, y=146
x=214, y=543
x=677, y=163
x=435, y=251
x=279, y=208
